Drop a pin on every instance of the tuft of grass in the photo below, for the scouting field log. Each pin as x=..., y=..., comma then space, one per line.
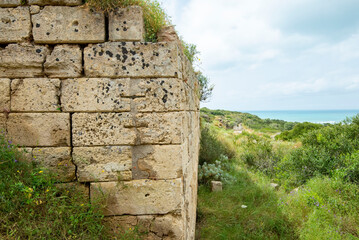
x=155, y=17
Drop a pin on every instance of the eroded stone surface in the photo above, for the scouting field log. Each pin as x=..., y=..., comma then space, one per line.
x=15, y=24
x=35, y=94
x=4, y=94
x=34, y=9
x=152, y=227
x=139, y=197
x=159, y=95
x=68, y=25
x=64, y=61
x=39, y=129
x=131, y=59
x=75, y=188
x=2, y=123
x=160, y=128
x=10, y=3
x=103, y=163
x=96, y=95
x=55, y=2
x=57, y=160
x=101, y=129
x=157, y=162
x=24, y=60
x=126, y=24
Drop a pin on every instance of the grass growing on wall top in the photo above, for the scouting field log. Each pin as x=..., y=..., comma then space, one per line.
x=155, y=17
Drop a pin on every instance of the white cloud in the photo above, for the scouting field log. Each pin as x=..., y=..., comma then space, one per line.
x=261, y=49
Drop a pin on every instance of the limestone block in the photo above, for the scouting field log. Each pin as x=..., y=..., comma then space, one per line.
x=139, y=197
x=57, y=161
x=126, y=24
x=23, y=60
x=10, y=3
x=95, y=95
x=102, y=129
x=35, y=94
x=55, y=2
x=64, y=61
x=4, y=94
x=103, y=163
x=168, y=227
x=160, y=95
x=68, y=25
x=34, y=9
x=2, y=123
x=157, y=162
x=39, y=129
x=216, y=186
x=15, y=24
x=132, y=59
x=160, y=128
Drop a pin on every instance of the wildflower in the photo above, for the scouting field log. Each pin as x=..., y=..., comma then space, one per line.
x=15, y=161
x=41, y=171
x=47, y=190
x=81, y=204
x=103, y=170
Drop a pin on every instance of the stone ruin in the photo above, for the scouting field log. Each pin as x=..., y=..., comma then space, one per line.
x=89, y=99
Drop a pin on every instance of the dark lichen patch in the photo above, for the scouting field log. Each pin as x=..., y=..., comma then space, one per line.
x=38, y=50
x=57, y=59
x=164, y=99
x=47, y=33
x=76, y=30
x=109, y=53
x=37, y=25
x=118, y=57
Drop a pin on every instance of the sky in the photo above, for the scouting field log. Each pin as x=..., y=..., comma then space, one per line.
x=274, y=54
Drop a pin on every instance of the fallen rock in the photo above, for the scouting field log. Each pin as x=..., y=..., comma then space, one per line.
x=216, y=186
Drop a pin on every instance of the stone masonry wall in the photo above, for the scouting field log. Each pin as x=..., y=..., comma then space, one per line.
x=88, y=99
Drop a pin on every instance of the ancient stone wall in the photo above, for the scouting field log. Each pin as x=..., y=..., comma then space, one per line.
x=88, y=99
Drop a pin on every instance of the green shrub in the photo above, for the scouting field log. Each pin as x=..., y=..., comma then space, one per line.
x=217, y=171
x=34, y=206
x=297, y=131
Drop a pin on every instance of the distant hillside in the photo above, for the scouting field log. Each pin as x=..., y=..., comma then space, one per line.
x=231, y=119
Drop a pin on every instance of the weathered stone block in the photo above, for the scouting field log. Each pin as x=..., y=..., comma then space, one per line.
x=151, y=226
x=15, y=24
x=4, y=94
x=157, y=162
x=160, y=128
x=126, y=24
x=101, y=129
x=10, y=3
x=64, y=61
x=26, y=154
x=68, y=25
x=34, y=9
x=139, y=197
x=2, y=123
x=103, y=163
x=35, y=94
x=132, y=59
x=55, y=2
x=22, y=61
x=95, y=95
x=39, y=129
x=56, y=160
x=159, y=95
x=216, y=186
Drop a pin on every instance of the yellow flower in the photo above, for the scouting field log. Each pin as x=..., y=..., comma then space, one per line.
x=47, y=190
x=103, y=170
x=41, y=171
x=81, y=204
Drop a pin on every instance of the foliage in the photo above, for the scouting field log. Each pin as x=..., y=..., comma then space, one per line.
x=155, y=17
x=245, y=209
x=34, y=206
x=230, y=119
x=298, y=131
x=217, y=171
x=205, y=89
x=211, y=148
x=327, y=151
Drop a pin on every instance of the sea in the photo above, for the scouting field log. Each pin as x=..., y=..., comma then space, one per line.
x=315, y=116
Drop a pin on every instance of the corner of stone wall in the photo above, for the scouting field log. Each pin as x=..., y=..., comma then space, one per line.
x=116, y=116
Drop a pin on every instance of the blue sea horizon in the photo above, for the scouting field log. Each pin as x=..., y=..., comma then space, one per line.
x=314, y=116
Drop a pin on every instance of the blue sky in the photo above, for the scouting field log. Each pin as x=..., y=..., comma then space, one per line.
x=274, y=54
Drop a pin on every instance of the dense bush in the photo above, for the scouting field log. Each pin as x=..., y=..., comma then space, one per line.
x=217, y=171
x=298, y=130
x=328, y=151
